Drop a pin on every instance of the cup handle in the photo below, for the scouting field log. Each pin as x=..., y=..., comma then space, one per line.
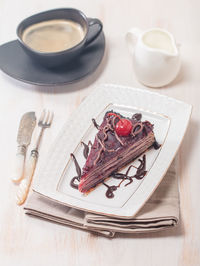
x=93, y=35
x=132, y=37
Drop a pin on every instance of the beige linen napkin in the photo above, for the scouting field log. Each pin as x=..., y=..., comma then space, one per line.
x=160, y=212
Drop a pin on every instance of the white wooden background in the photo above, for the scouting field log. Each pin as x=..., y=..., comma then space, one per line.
x=29, y=241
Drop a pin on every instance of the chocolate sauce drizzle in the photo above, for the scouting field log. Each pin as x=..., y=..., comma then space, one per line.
x=137, y=116
x=86, y=148
x=137, y=128
x=156, y=145
x=109, y=193
x=75, y=180
x=140, y=173
x=95, y=123
x=78, y=171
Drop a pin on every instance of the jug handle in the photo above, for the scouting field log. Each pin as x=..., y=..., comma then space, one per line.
x=131, y=38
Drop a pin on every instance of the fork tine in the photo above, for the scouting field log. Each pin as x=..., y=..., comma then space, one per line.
x=47, y=117
x=42, y=116
x=50, y=118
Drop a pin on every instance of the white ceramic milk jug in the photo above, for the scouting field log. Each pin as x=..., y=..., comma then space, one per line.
x=156, y=57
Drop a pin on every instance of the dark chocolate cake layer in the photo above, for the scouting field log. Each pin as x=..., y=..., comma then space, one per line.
x=119, y=141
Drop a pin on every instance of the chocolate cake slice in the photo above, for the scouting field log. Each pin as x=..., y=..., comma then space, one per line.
x=119, y=141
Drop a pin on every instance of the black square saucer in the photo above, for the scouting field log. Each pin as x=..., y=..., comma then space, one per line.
x=17, y=64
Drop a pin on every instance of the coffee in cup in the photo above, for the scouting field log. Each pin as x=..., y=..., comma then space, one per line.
x=53, y=35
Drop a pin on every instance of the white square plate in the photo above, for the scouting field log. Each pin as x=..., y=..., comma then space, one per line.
x=170, y=118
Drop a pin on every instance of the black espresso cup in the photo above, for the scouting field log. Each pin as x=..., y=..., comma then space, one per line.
x=89, y=29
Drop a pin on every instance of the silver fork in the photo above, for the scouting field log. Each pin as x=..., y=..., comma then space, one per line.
x=45, y=121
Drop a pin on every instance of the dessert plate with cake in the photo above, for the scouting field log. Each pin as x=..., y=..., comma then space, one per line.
x=113, y=151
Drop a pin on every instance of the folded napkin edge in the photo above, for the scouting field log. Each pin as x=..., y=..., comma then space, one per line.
x=106, y=233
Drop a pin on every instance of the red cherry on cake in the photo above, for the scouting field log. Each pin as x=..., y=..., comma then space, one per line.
x=123, y=127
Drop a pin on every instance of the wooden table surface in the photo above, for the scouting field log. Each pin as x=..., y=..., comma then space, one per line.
x=29, y=241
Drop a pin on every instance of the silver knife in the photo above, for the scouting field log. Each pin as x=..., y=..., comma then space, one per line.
x=26, y=127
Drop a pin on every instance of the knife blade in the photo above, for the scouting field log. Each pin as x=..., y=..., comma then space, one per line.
x=25, y=131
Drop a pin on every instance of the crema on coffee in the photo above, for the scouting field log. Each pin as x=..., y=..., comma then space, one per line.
x=53, y=35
